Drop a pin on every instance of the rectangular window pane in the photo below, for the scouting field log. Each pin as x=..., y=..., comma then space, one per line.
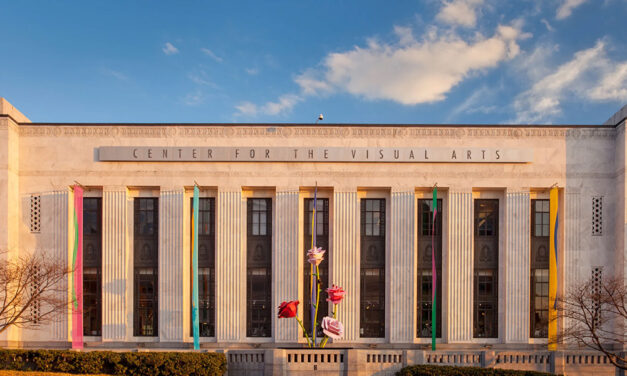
x=486, y=251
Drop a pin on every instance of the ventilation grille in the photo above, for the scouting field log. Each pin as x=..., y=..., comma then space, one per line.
x=597, y=216
x=35, y=213
x=597, y=275
x=35, y=308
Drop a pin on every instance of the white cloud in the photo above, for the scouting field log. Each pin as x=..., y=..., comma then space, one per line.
x=476, y=103
x=613, y=86
x=283, y=104
x=590, y=75
x=247, y=109
x=211, y=54
x=547, y=24
x=201, y=78
x=567, y=7
x=409, y=71
x=169, y=49
x=113, y=73
x=417, y=72
x=459, y=12
x=194, y=98
x=252, y=71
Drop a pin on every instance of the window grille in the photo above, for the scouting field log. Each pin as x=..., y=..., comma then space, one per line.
x=322, y=240
x=146, y=265
x=427, y=230
x=539, y=307
x=206, y=266
x=92, y=263
x=259, y=309
x=35, y=213
x=486, y=262
x=372, y=283
x=597, y=216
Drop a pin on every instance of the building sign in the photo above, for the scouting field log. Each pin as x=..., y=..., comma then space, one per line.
x=311, y=154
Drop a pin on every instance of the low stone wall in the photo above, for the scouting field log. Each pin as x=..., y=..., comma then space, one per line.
x=363, y=362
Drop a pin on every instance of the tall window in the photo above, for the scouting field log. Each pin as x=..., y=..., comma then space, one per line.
x=92, y=266
x=428, y=233
x=539, y=268
x=372, y=299
x=485, y=307
x=322, y=240
x=259, y=268
x=146, y=257
x=206, y=266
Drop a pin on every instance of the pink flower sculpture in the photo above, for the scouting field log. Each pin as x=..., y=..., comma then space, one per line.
x=336, y=294
x=315, y=255
x=332, y=328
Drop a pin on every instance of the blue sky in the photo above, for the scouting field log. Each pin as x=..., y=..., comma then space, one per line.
x=432, y=61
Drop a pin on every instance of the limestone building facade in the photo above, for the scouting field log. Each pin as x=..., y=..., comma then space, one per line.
x=374, y=184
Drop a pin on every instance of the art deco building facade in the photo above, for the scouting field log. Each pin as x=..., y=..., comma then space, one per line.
x=373, y=216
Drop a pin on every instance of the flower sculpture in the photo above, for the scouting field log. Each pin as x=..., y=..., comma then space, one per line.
x=331, y=327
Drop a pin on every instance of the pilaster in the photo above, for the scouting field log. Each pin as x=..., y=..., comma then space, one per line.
x=517, y=266
x=115, y=261
x=345, y=271
x=285, y=261
x=401, y=270
x=171, y=272
x=230, y=268
x=460, y=267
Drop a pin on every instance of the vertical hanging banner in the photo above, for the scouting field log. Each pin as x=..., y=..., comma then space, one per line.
x=77, y=270
x=313, y=280
x=195, y=324
x=434, y=280
x=553, y=236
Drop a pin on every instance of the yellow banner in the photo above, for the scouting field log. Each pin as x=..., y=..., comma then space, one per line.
x=554, y=221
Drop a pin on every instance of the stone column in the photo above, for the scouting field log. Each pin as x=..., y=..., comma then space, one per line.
x=577, y=266
x=460, y=267
x=517, y=266
x=230, y=267
x=285, y=261
x=346, y=261
x=402, y=272
x=115, y=263
x=171, y=271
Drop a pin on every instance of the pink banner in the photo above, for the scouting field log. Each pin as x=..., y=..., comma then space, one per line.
x=77, y=271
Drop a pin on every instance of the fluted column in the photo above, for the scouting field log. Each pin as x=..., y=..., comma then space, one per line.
x=171, y=272
x=345, y=270
x=285, y=261
x=114, y=264
x=460, y=267
x=230, y=268
x=402, y=271
x=517, y=267
x=577, y=266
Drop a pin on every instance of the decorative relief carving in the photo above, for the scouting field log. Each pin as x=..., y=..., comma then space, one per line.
x=167, y=131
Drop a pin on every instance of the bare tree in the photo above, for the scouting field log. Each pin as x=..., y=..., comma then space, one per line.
x=593, y=314
x=31, y=290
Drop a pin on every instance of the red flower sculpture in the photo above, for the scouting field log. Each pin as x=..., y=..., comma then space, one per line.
x=336, y=294
x=288, y=309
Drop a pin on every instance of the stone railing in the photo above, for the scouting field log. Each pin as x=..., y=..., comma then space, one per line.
x=362, y=362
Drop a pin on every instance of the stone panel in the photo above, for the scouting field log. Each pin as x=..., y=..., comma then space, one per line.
x=517, y=267
x=345, y=271
x=285, y=273
x=230, y=268
x=171, y=271
x=402, y=271
x=460, y=268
